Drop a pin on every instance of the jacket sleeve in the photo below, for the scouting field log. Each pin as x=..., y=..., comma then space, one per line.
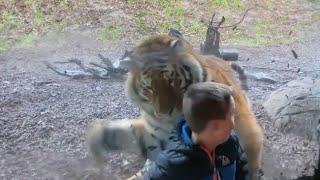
x=165, y=168
x=156, y=172
x=242, y=172
x=171, y=165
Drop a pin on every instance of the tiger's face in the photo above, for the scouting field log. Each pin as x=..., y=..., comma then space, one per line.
x=163, y=88
x=161, y=79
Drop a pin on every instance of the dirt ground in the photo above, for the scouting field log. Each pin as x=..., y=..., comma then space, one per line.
x=43, y=116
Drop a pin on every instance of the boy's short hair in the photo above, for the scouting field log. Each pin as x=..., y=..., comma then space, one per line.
x=206, y=101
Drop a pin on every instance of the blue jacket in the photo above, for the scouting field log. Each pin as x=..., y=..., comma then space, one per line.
x=184, y=160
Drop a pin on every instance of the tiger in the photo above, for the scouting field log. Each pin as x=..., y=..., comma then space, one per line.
x=160, y=70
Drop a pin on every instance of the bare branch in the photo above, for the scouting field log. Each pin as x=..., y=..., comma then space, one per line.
x=105, y=60
x=102, y=72
x=98, y=74
x=100, y=66
x=236, y=24
x=128, y=53
x=211, y=22
x=72, y=74
x=217, y=40
x=222, y=21
x=78, y=62
x=295, y=55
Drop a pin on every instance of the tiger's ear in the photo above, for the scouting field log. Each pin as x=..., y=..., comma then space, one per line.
x=176, y=34
x=232, y=91
x=131, y=63
x=176, y=43
x=127, y=64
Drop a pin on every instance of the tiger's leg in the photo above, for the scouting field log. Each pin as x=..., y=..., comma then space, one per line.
x=250, y=134
x=140, y=174
x=115, y=135
x=153, y=144
x=128, y=135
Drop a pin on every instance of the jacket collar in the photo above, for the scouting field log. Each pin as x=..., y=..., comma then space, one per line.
x=186, y=134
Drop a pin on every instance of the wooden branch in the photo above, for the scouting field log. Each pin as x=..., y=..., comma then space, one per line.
x=72, y=74
x=100, y=66
x=105, y=60
x=98, y=74
x=103, y=72
x=78, y=62
x=239, y=22
x=212, y=42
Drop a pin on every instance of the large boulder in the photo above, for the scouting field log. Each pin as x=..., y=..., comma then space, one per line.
x=295, y=108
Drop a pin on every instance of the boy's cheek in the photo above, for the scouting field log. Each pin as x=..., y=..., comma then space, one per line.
x=232, y=121
x=226, y=135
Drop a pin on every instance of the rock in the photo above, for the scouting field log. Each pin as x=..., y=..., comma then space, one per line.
x=98, y=88
x=295, y=108
x=229, y=54
x=6, y=82
x=260, y=76
x=116, y=63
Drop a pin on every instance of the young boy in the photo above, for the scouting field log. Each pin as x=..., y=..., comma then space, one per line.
x=202, y=145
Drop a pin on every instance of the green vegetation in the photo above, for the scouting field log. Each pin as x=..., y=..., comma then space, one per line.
x=39, y=21
x=26, y=41
x=173, y=16
x=263, y=35
x=8, y=22
x=26, y=28
x=283, y=18
x=165, y=14
x=63, y=5
x=132, y=1
x=60, y=26
x=227, y=4
x=38, y=17
x=196, y=31
x=315, y=1
x=145, y=17
x=29, y=40
x=4, y=46
x=269, y=5
x=111, y=33
x=142, y=25
x=260, y=36
x=27, y=2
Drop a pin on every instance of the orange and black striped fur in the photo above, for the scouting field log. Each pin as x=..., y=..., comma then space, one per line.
x=161, y=70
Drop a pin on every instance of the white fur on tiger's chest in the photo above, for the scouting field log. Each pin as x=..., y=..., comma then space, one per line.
x=160, y=128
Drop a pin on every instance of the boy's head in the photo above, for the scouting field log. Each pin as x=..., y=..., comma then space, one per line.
x=208, y=109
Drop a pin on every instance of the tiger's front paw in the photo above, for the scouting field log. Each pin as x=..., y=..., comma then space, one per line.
x=259, y=175
x=96, y=139
x=109, y=136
